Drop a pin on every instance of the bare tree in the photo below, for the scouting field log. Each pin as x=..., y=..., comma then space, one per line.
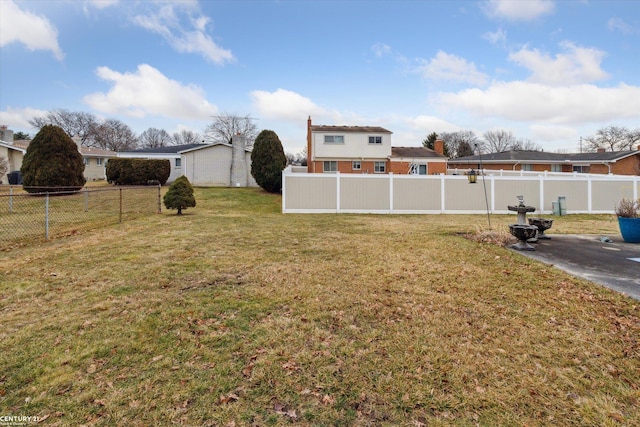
x=497, y=141
x=610, y=138
x=113, y=135
x=186, y=136
x=460, y=143
x=524, y=144
x=226, y=125
x=613, y=138
x=633, y=139
x=154, y=138
x=74, y=123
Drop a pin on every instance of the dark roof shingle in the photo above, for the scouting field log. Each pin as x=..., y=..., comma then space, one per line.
x=415, y=152
x=361, y=129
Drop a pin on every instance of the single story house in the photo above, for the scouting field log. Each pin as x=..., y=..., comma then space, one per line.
x=224, y=165
x=13, y=156
x=367, y=149
x=600, y=162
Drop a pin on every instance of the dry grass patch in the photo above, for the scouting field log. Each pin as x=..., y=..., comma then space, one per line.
x=235, y=314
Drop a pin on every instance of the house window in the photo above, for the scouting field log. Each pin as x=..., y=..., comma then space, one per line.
x=380, y=167
x=334, y=139
x=556, y=168
x=581, y=169
x=99, y=161
x=375, y=140
x=416, y=169
x=526, y=167
x=330, y=166
x=356, y=165
x=85, y=161
x=178, y=163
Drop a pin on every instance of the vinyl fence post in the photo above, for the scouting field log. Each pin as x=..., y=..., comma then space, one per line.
x=46, y=216
x=120, y=216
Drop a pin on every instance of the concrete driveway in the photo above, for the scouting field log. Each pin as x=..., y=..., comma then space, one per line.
x=613, y=264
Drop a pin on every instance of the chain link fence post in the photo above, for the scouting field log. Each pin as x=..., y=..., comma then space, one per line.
x=46, y=216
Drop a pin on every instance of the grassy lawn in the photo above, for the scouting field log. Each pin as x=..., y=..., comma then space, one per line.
x=235, y=314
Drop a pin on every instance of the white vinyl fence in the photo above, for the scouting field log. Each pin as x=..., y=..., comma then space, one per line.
x=452, y=194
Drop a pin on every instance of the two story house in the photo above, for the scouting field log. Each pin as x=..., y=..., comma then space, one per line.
x=367, y=149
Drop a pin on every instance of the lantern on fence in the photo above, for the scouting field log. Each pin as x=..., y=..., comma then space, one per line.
x=472, y=176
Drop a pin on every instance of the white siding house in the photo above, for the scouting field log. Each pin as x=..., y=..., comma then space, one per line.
x=204, y=164
x=215, y=165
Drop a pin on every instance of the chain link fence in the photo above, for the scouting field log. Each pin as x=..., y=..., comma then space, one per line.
x=30, y=217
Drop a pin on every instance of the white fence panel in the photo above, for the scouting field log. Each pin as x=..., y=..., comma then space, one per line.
x=407, y=194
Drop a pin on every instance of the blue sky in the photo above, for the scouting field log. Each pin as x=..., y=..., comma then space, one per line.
x=549, y=71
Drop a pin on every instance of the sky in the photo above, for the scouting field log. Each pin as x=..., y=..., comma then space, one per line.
x=548, y=71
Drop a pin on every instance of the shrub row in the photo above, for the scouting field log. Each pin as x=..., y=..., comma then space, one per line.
x=138, y=171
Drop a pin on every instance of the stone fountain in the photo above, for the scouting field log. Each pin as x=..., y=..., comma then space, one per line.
x=543, y=225
x=522, y=230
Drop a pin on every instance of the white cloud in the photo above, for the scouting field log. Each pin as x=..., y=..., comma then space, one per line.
x=185, y=38
x=534, y=102
x=288, y=105
x=100, y=4
x=518, y=10
x=576, y=65
x=499, y=37
x=149, y=92
x=18, y=118
x=381, y=49
x=33, y=31
x=617, y=24
x=551, y=133
x=449, y=67
x=425, y=123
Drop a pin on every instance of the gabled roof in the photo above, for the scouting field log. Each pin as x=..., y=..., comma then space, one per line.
x=12, y=147
x=353, y=129
x=170, y=149
x=23, y=144
x=415, y=152
x=546, y=157
x=215, y=144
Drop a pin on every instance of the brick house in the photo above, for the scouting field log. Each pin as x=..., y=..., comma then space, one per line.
x=367, y=149
x=600, y=162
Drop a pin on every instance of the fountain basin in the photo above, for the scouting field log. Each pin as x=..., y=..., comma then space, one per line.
x=542, y=224
x=523, y=232
x=521, y=209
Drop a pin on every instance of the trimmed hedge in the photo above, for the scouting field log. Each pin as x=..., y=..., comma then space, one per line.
x=138, y=171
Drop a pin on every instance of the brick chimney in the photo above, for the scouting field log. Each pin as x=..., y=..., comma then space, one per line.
x=601, y=150
x=438, y=146
x=6, y=134
x=310, y=164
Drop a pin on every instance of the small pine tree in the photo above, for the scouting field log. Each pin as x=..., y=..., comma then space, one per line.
x=430, y=140
x=180, y=195
x=52, y=163
x=267, y=161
